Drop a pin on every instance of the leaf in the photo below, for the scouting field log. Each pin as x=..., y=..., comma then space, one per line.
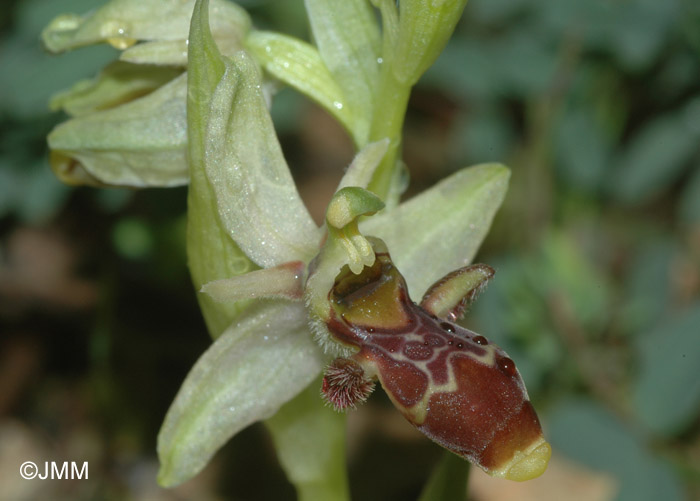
x=348, y=39
x=116, y=84
x=648, y=291
x=583, y=149
x=640, y=30
x=122, y=23
x=588, y=433
x=310, y=441
x=259, y=363
x=441, y=229
x=448, y=481
x=138, y=144
x=259, y=205
x=564, y=271
x=212, y=254
x=667, y=391
x=654, y=158
x=689, y=204
x=299, y=64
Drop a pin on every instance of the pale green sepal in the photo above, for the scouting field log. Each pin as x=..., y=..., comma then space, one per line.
x=122, y=23
x=174, y=52
x=283, y=281
x=425, y=26
x=211, y=253
x=116, y=84
x=363, y=165
x=258, y=201
x=309, y=438
x=160, y=53
x=299, y=65
x=441, y=229
x=348, y=38
x=262, y=361
x=138, y=144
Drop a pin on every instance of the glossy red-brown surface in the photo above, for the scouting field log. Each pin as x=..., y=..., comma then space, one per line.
x=451, y=383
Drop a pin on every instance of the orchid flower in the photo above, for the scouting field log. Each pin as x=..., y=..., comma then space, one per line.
x=294, y=308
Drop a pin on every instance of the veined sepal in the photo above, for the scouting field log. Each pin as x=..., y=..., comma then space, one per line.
x=264, y=359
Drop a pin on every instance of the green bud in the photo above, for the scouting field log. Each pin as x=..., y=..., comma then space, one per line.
x=425, y=26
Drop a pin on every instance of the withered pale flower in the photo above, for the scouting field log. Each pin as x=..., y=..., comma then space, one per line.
x=128, y=126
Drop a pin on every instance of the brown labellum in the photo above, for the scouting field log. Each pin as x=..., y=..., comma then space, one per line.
x=458, y=389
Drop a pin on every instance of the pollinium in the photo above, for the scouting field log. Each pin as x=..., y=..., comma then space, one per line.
x=452, y=384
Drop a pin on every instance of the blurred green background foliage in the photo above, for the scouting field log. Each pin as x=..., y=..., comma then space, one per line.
x=594, y=105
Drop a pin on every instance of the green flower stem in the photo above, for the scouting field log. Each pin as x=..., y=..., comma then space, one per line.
x=392, y=100
x=448, y=481
x=310, y=442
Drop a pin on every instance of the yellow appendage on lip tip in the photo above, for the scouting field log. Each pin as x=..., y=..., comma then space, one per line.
x=527, y=465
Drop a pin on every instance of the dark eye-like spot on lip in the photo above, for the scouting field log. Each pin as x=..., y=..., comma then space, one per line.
x=448, y=327
x=506, y=365
x=481, y=340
